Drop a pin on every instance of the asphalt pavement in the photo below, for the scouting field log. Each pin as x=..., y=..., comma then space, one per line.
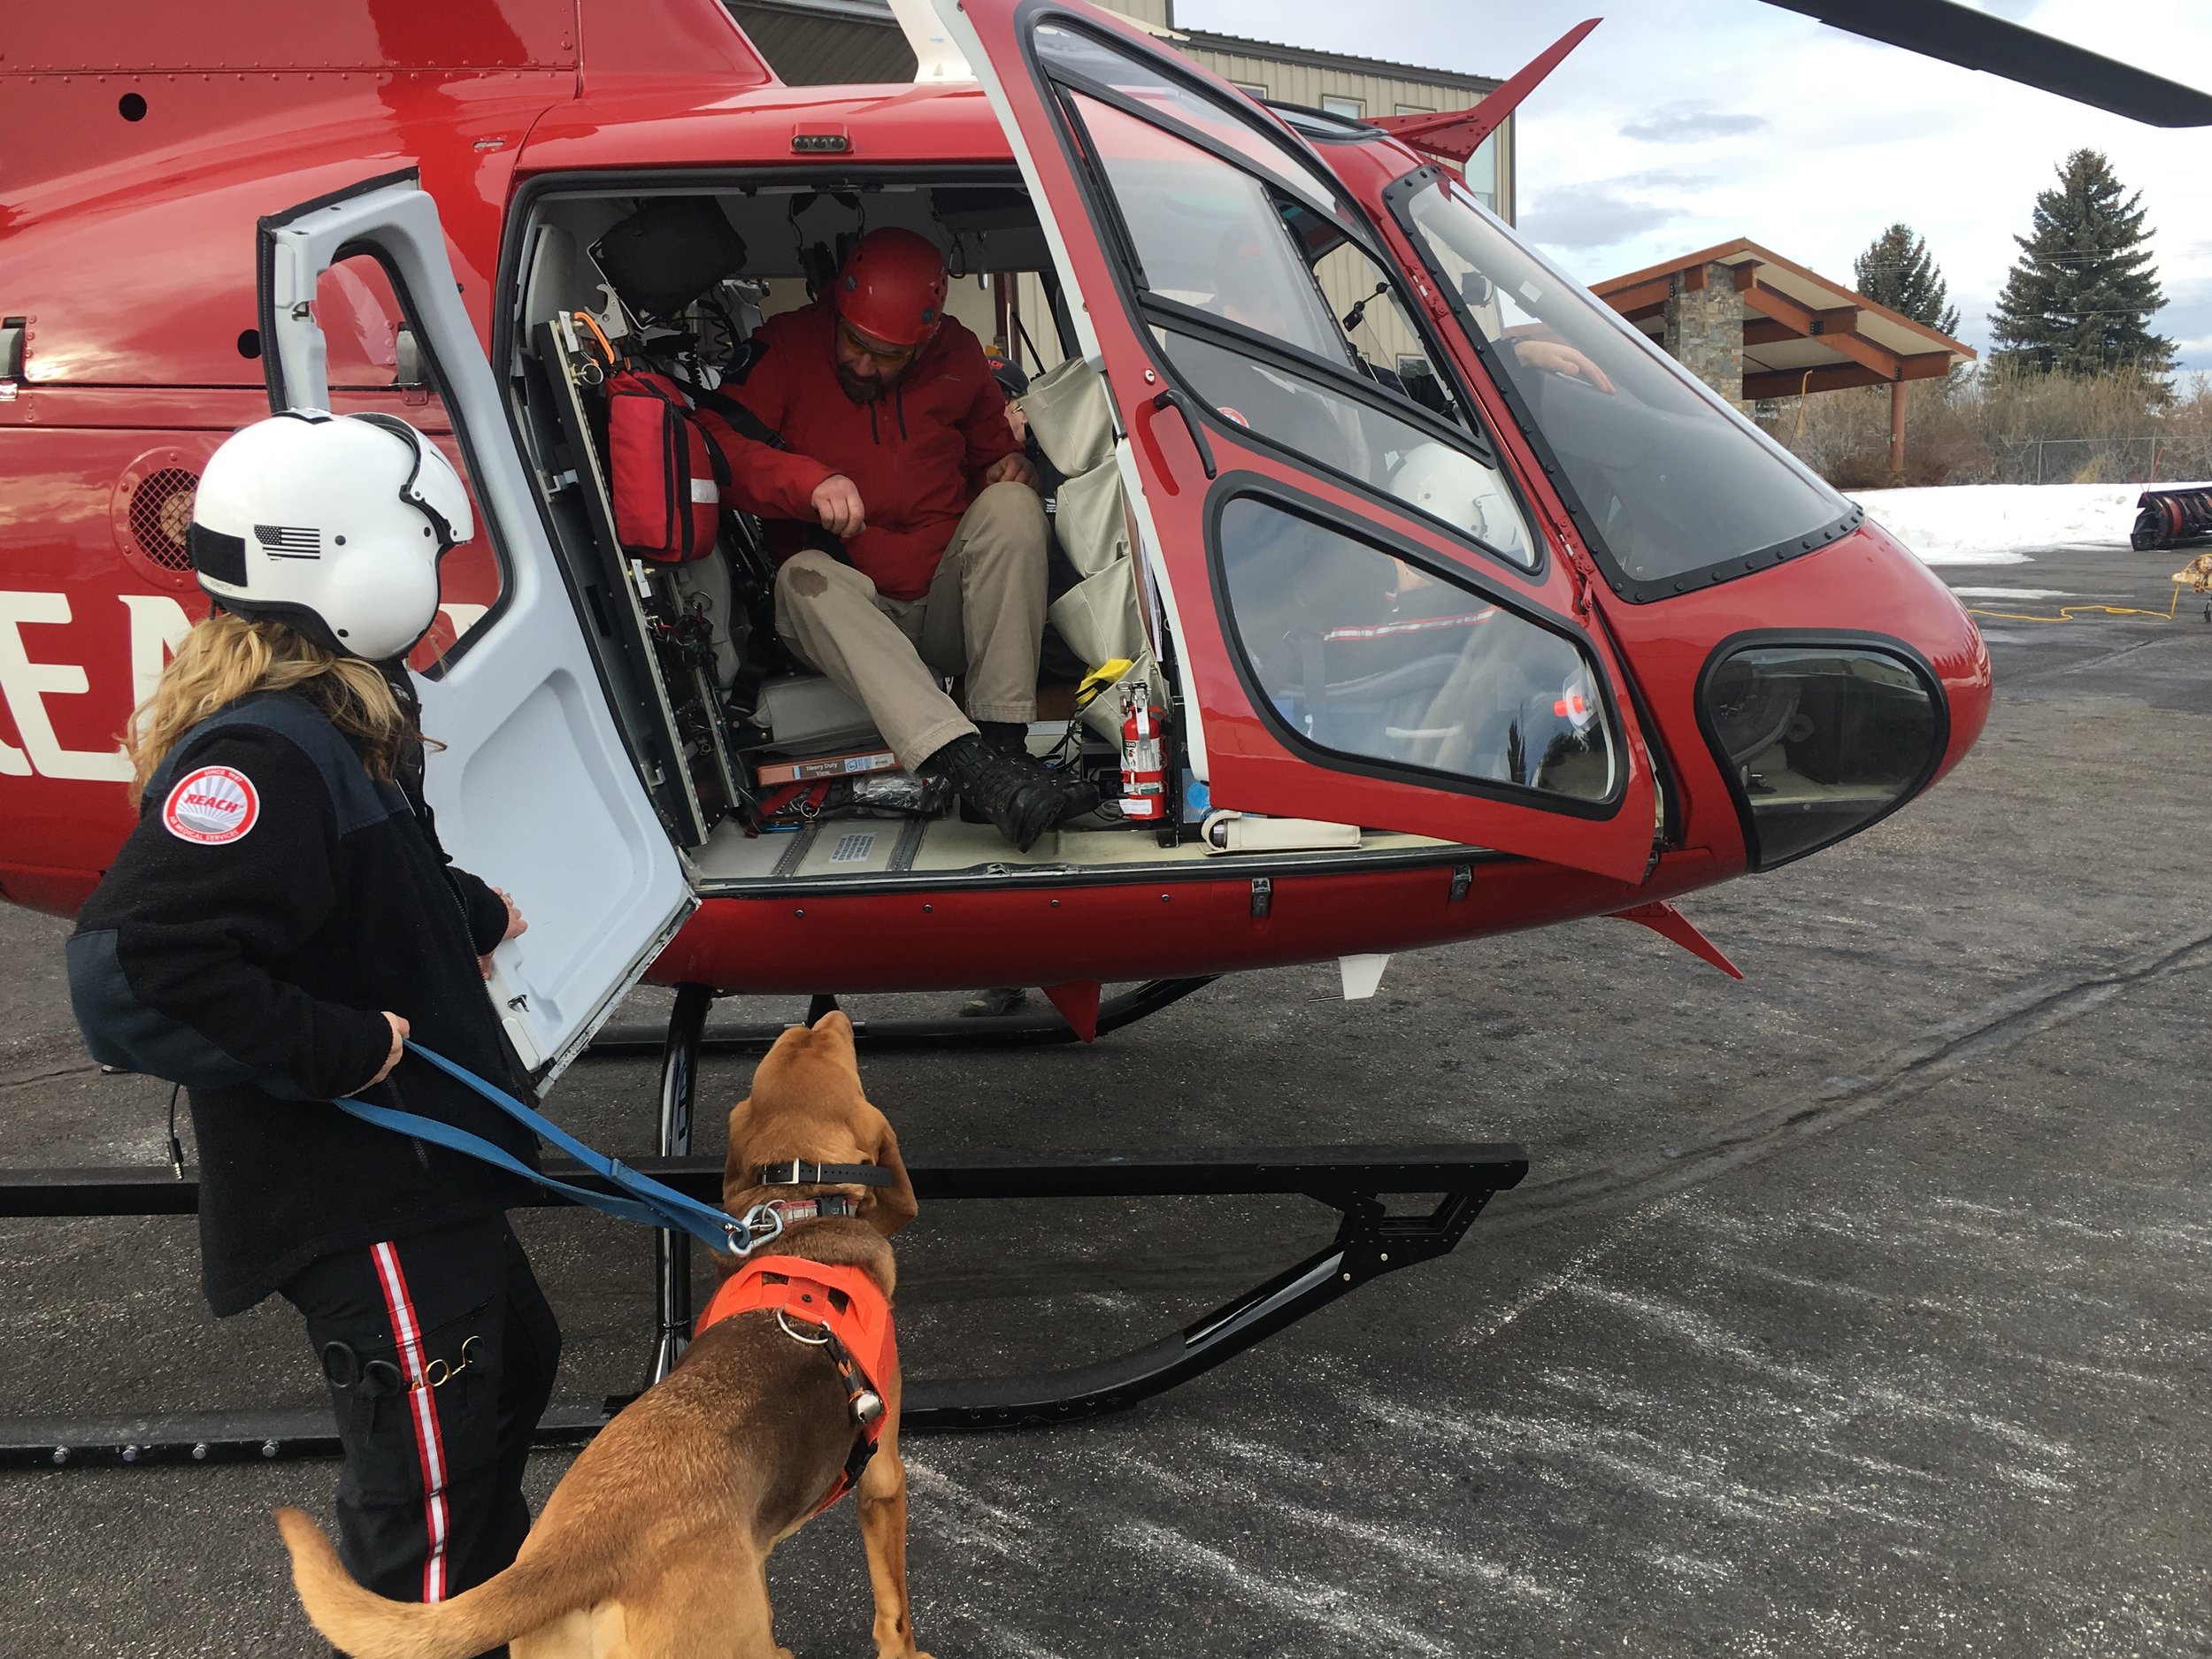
x=1859, y=1307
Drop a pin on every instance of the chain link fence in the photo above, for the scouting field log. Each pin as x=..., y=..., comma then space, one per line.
x=2108, y=460
x=2007, y=429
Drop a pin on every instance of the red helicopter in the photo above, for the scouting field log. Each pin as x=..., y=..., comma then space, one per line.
x=1465, y=610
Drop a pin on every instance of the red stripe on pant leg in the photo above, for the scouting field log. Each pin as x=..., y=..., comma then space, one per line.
x=422, y=1410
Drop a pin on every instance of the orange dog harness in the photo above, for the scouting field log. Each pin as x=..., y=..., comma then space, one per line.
x=853, y=1316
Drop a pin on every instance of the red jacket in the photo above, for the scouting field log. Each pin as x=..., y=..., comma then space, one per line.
x=915, y=453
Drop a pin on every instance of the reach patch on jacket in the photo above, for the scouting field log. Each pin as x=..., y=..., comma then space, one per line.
x=274, y=901
x=210, y=806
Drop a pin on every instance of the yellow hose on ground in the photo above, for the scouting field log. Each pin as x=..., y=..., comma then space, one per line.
x=2066, y=613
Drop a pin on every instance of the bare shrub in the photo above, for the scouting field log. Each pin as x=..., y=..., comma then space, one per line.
x=1998, y=426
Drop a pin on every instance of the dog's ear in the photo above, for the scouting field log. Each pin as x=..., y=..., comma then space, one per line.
x=887, y=1209
x=737, y=1166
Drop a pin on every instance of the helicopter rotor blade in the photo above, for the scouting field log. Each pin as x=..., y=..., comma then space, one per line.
x=1974, y=40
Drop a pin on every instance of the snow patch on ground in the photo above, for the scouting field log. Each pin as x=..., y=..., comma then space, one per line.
x=2000, y=524
x=2010, y=593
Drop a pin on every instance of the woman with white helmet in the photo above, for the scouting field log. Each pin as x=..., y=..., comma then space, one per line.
x=279, y=920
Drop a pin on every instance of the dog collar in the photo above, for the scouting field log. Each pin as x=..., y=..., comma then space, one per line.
x=794, y=1211
x=799, y=1173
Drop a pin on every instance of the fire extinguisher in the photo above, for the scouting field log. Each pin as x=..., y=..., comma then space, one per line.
x=1143, y=765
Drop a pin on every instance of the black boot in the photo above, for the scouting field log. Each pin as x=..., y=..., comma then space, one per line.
x=1011, y=738
x=1019, y=799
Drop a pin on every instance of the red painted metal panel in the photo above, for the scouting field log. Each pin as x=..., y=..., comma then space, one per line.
x=284, y=35
x=702, y=127
x=132, y=282
x=955, y=939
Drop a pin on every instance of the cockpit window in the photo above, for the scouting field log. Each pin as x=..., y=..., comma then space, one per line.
x=1072, y=55
x=1278, y=320
x=1388, y=455
x=1671, y=488
x=1369, y=656
x=1207, y=235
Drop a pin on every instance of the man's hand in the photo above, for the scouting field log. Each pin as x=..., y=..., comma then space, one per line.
x=1015, y=466
x=399, y=1047
x=1552, y=357
x=837, y=505
x=515, y=928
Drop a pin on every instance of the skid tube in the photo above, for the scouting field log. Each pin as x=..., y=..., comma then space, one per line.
x=1370, y=1240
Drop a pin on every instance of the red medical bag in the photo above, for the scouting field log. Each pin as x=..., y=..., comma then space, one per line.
x=666, y=478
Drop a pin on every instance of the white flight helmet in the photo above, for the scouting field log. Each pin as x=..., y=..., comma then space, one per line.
x=1447, y=484
x=332, y=524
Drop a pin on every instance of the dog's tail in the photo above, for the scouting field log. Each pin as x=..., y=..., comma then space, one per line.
x=370, y=1626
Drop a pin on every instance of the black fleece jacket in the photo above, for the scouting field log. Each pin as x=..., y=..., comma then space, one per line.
x=254, y=966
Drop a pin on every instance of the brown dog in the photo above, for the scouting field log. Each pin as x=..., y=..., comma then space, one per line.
x=656, y=1540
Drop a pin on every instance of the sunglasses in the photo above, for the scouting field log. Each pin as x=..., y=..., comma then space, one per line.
x=885, y=357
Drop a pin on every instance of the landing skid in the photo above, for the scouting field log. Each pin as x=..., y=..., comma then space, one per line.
x=1455, y=1181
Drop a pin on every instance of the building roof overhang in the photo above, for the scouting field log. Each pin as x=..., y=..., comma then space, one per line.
x=1802, y=332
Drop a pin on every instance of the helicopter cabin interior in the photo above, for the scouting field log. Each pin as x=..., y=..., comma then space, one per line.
x=762, y=770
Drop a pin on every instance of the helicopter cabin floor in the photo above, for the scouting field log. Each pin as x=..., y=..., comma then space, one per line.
x=1863, y=1307
x=859, y=849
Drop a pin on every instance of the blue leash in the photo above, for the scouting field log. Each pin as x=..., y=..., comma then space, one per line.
x=643, y=1199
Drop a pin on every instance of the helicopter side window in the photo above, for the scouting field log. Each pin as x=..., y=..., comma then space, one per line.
x=1385, y=343
x=1206, y=235
x=1372, y=656
x=1078, y=59
x=1674, y=488
x=1226, y=267
x=1378, y=450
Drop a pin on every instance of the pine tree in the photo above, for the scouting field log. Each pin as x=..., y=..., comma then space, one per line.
x=1896, y=271
x=2081, y=297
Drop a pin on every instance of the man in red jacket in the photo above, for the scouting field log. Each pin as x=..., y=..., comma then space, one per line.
x=906, y=520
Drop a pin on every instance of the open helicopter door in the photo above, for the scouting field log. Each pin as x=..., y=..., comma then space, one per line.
x=1366, y=621
x=532, y=785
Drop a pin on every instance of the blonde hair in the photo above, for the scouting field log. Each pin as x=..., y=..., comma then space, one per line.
x=227, y=656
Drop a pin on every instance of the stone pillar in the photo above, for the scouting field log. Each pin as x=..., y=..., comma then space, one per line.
x=1704, y=328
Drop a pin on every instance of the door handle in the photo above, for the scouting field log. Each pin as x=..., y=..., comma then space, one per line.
x=1182, y=405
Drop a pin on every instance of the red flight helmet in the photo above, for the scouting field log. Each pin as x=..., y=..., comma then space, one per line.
x=891, y=286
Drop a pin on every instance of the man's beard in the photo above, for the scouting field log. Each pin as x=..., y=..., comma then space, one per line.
x=859, y=390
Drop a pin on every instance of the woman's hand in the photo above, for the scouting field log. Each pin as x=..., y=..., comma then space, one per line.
x=399, y=1047
x=516, y=927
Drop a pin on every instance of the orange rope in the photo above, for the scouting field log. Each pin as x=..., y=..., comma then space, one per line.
x=592, y=323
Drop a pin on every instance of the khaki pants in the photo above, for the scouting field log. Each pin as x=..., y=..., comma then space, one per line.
x=984, y=616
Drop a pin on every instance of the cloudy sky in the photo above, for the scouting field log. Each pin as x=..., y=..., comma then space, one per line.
x=1683, y=123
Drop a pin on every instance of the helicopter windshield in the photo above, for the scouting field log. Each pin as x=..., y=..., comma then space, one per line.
x=1675, y=489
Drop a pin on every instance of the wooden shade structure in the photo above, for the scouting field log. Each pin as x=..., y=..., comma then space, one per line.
x=1802, y=332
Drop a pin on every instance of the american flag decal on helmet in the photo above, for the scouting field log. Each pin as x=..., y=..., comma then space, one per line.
x=289, y=540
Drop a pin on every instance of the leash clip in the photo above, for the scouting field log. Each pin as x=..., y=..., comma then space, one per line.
x=761, y=1225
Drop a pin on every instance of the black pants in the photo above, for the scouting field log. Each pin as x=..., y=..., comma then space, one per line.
x=440, y=1350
